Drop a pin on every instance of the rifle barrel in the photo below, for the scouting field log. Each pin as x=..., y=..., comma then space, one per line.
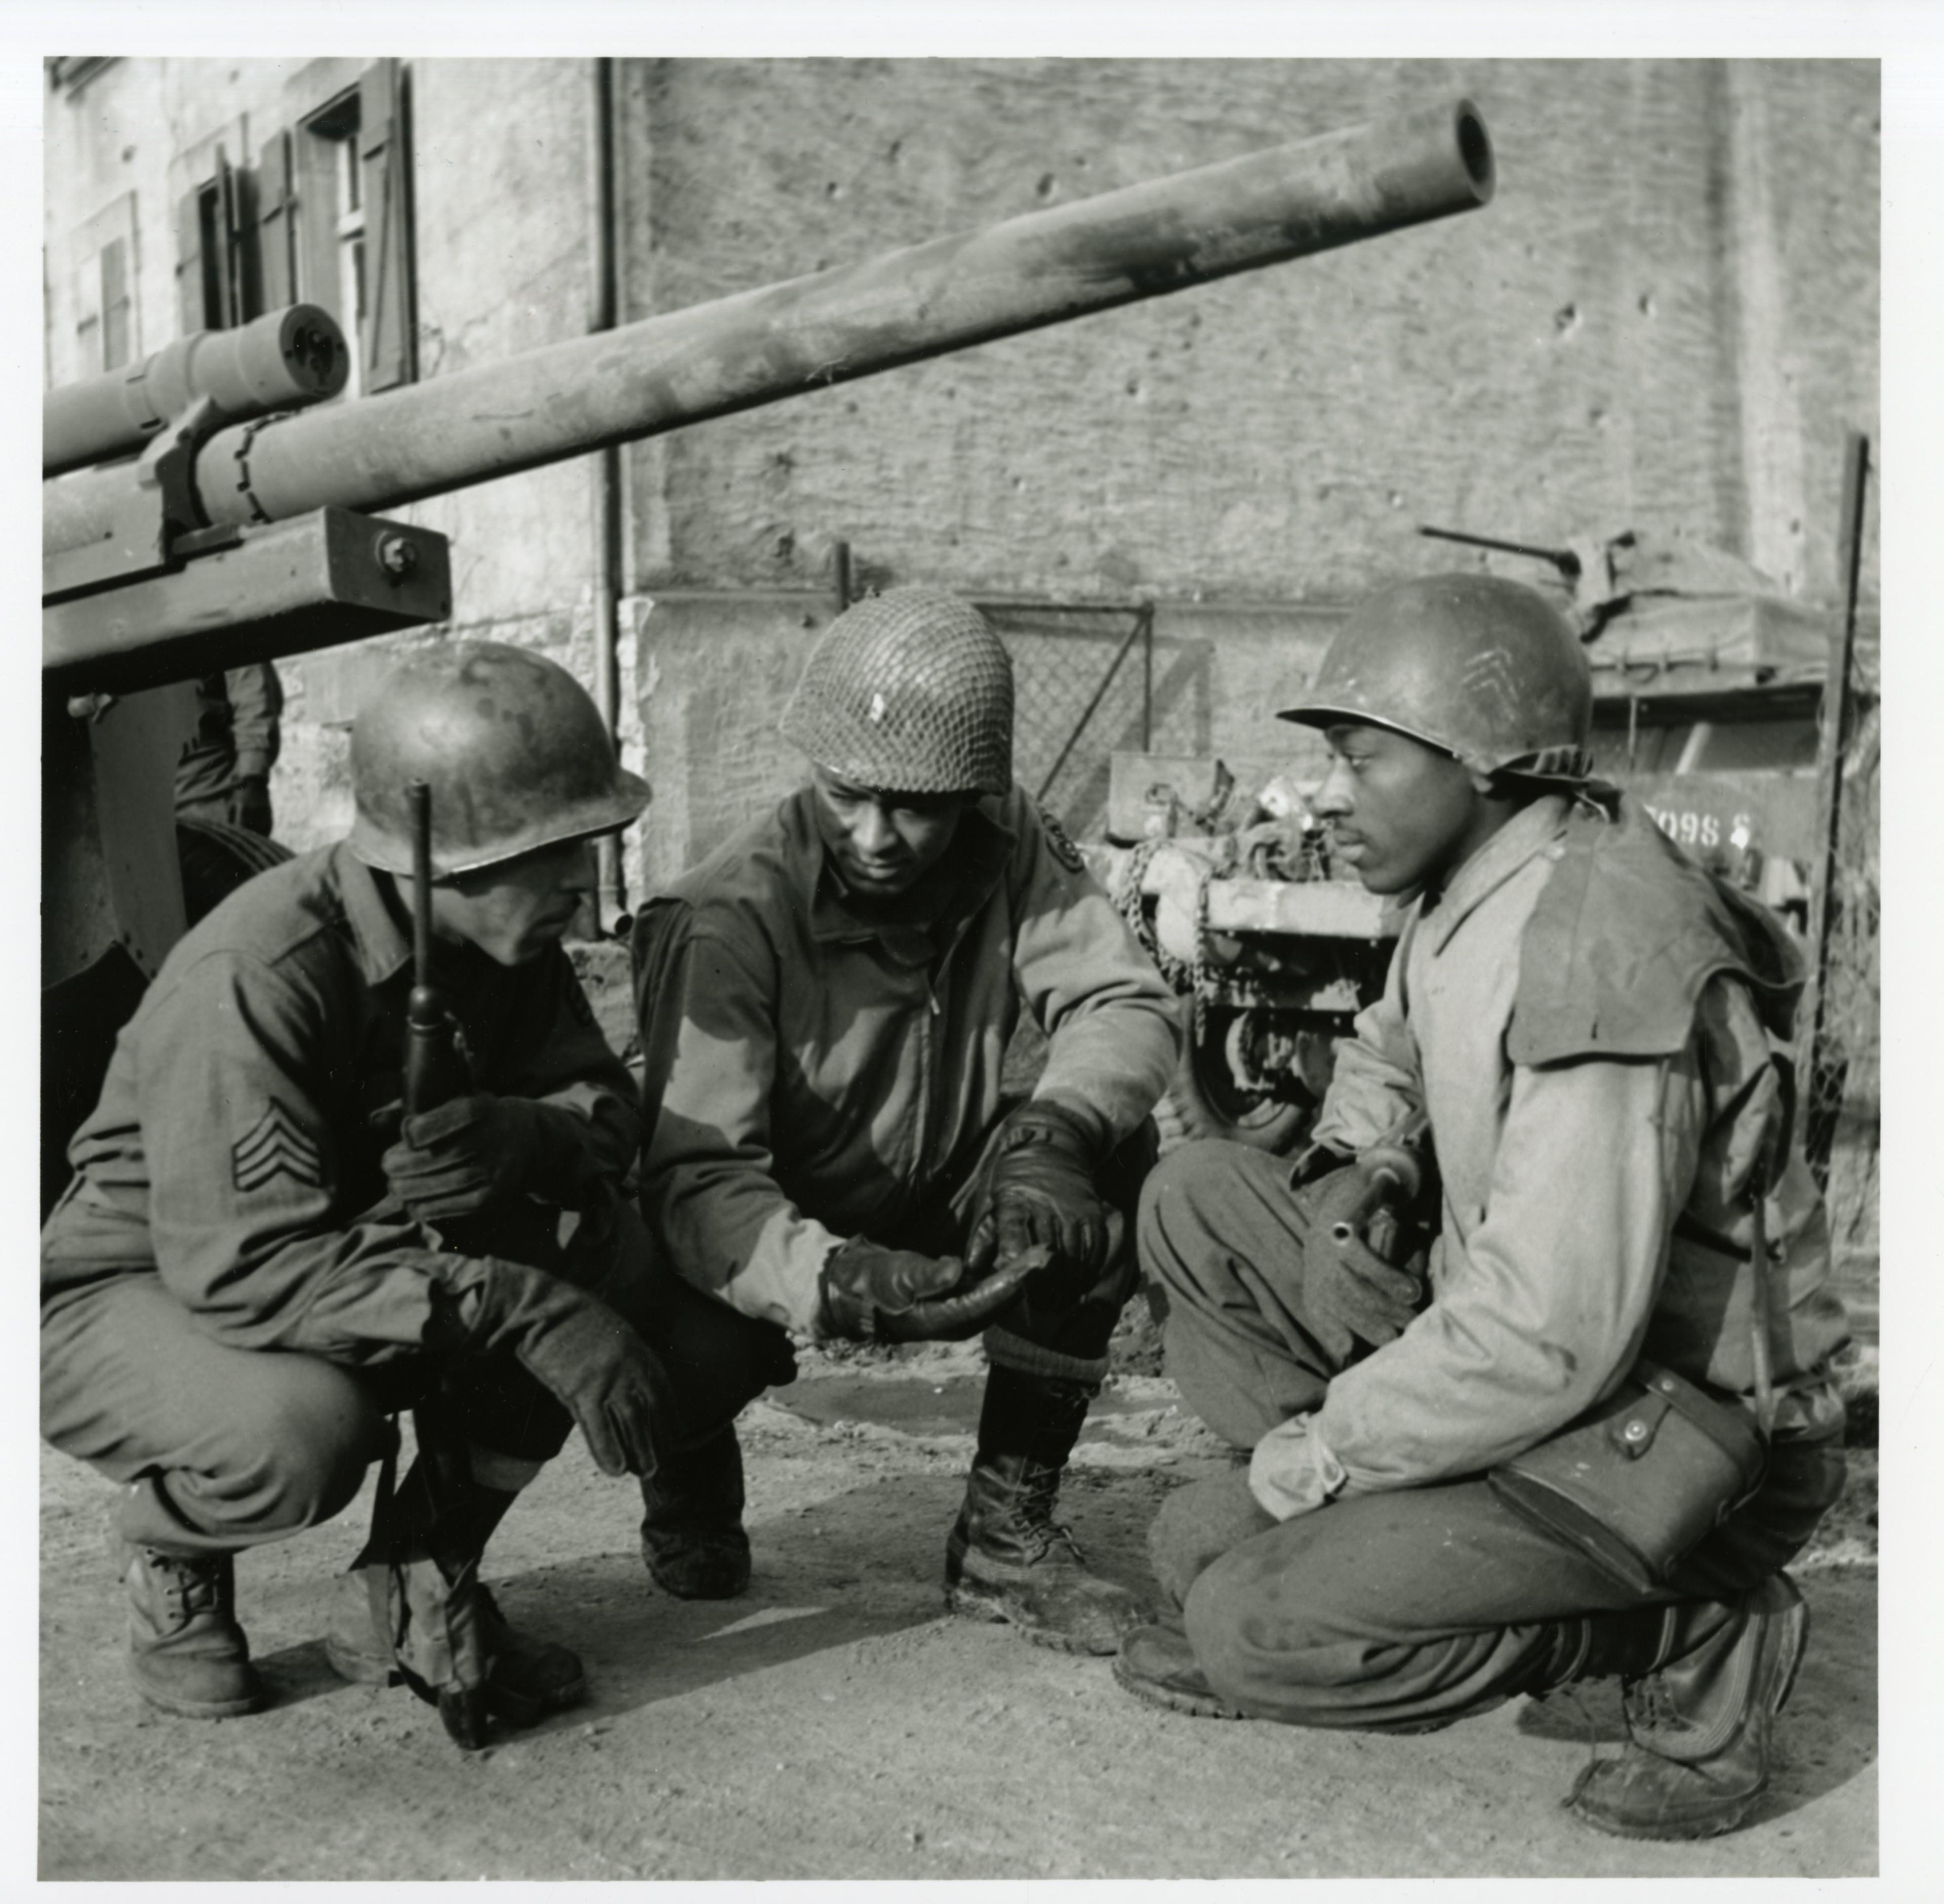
x=418, y=794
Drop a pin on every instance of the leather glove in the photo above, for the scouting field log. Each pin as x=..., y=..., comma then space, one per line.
x=574, y=1346
x=1041, y=1194
x=870, y=1293
x=248, y=805
x=470, y=1152
x=1347, y=1284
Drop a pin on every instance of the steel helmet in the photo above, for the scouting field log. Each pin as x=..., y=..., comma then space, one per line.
x=908, y=692
x=1475, y=666
x=514, y=750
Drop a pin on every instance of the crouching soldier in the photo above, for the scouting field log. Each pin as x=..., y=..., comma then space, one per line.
x=1541, y=1459
x=826, y=1004
x=258, y=1260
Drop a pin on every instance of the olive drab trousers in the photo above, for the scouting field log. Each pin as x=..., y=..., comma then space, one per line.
x=222, y=1448
x=1403, y=1609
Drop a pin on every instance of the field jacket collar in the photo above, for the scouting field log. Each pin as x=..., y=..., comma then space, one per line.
x=1533, y=829
x=382, y=945
x=976, y=865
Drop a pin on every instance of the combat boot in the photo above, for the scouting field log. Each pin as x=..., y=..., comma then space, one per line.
x=185, y=1652
x=1007, y=1558
x=692, y=1535
x=1700, y=1720
x=1158, y=1665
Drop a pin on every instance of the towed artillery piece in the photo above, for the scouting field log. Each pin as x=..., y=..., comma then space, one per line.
x=212, y=508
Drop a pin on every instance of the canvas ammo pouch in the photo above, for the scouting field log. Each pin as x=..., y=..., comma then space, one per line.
x=1640, y=1479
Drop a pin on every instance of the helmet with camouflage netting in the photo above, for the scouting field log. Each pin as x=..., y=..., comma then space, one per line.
x=1476, y=666
x=514, y=750
x=908, y=692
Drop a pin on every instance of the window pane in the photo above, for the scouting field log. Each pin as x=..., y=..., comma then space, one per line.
x=349, y=186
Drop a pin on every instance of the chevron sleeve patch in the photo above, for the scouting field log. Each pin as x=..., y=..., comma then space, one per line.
x=276, y=1145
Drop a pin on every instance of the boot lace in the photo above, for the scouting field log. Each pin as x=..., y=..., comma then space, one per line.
x=1041, y=1533
x=1650, y=1708
x=189, y=1586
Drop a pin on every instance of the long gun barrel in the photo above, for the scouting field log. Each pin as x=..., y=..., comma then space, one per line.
x=664, y=372
x=1564, y=560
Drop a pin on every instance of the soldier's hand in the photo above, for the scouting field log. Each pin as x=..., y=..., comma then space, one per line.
x=584, y=1353
x=871, y=1294
x=607, y=1378
x=1040, y=1195
x=1346, y=1284
x=459, y=1158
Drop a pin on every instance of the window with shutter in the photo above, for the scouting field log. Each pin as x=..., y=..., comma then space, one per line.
x=324, y=217
x=346, y=184
x=107, y=320
x=218, y=279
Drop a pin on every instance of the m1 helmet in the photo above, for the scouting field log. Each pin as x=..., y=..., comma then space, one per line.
x=908, y=692
x=513, y=747
x=1476, y=666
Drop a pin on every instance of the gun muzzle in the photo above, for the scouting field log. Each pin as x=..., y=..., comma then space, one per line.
x=1391, y=1178
x=277, y=361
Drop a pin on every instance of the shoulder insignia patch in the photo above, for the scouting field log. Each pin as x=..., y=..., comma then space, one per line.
x=1064, y=849
x=275, y=1144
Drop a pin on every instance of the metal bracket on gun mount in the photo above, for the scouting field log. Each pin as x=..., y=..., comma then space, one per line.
x=151, y=515
x=152, y=580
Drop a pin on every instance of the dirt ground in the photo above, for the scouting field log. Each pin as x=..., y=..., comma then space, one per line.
x=834, y=1724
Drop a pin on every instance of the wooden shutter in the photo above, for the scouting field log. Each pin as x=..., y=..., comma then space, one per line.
x=117, y=334
x=388, y=335
x=229, y=273
x=274, y=222
x=191, y=310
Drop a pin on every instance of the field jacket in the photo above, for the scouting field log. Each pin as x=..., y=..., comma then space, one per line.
x=1603, y=1074
x=814, y=1072
x=234, y=1152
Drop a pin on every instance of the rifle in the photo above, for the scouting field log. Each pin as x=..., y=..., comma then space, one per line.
x=409, y=1590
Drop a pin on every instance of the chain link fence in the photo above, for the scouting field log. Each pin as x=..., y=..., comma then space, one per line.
x=1082, y=683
